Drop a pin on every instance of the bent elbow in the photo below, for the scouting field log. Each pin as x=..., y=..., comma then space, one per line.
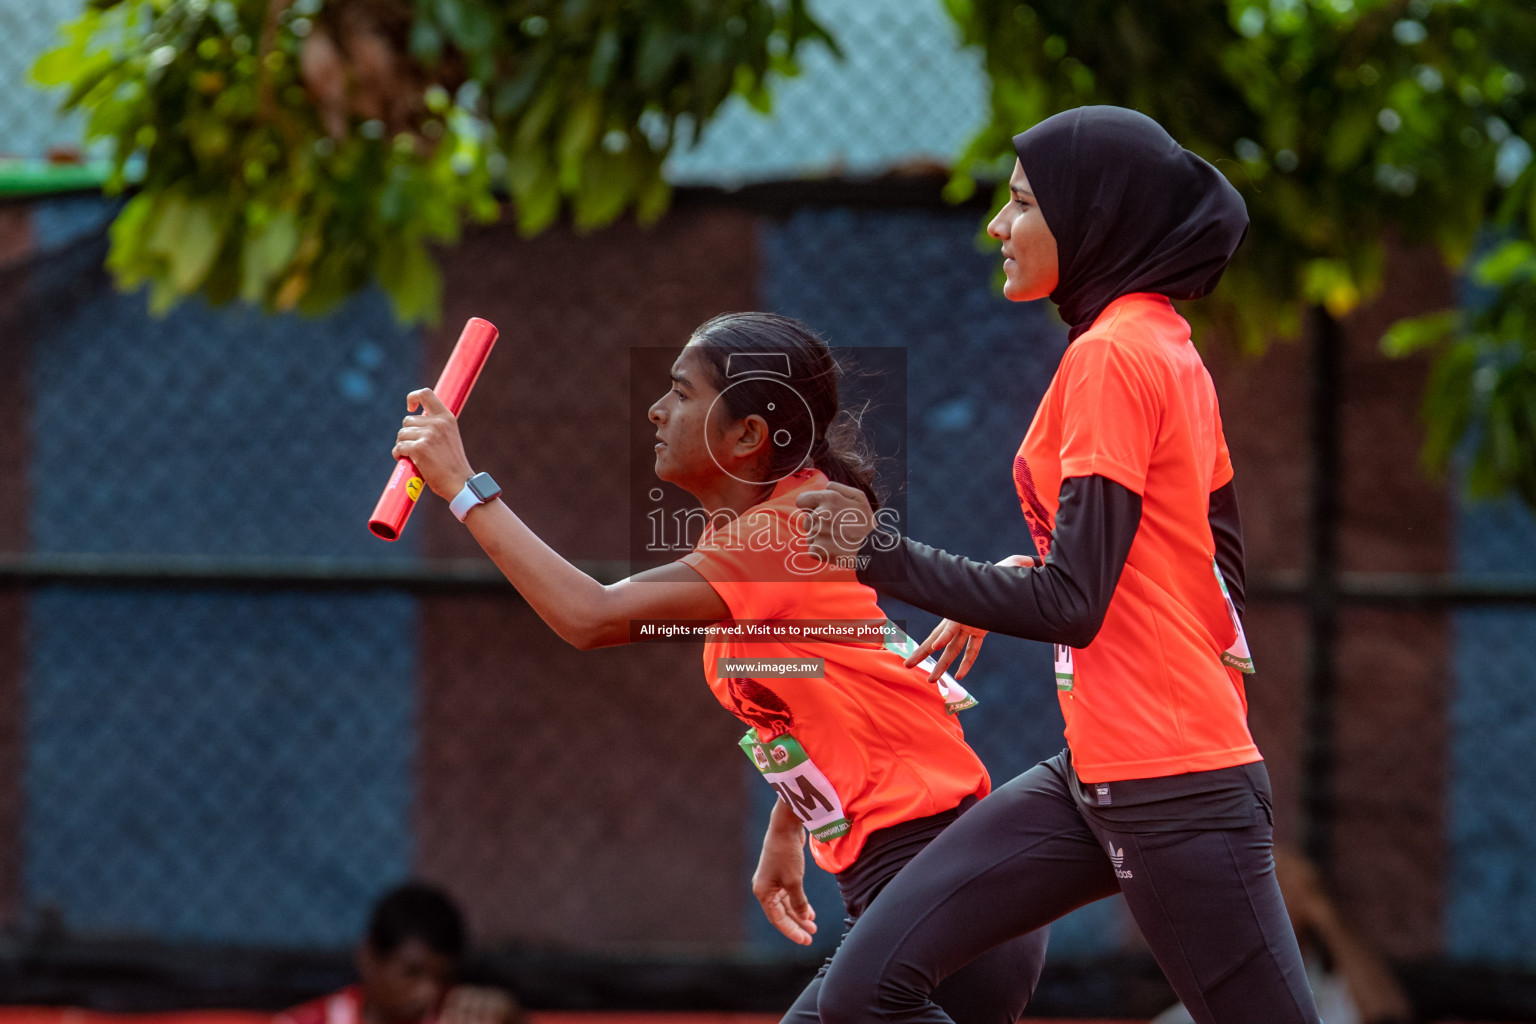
x=584, y=640
x=589, y=636
x=1078, y=632
x=1079, y=637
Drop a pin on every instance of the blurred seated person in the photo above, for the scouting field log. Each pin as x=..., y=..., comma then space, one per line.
x=405, y=967
x=1351, y=981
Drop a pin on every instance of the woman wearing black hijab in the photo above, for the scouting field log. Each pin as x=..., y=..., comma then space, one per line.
x=1126, y=484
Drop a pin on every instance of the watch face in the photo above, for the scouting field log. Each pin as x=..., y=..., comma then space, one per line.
x=484, y=487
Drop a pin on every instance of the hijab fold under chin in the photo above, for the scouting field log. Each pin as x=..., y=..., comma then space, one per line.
x=1131, y=210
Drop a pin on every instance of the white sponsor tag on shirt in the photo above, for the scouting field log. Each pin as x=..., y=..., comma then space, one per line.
x=956, y=697
x=1237, y=655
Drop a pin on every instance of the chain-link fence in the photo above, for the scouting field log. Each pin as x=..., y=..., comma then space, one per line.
x=903, y=95
x=29, y=124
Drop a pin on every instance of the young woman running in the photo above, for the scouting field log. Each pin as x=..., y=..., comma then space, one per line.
x=868, y=759
x=1126, y=484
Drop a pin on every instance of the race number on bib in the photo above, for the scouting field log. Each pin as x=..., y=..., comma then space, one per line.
x=799, y=783
x=956, y=697
x=1063, y=667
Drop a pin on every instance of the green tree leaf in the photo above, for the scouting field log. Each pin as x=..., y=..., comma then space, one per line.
x=412, y=280
x=1417, y=333
x=193, y=253
x=1508, y=261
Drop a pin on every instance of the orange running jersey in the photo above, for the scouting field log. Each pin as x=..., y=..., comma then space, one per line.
x=1132, y=402
x=869, y=745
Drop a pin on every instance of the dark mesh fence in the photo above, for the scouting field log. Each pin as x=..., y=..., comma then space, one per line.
x=229, y=717
x=236, y=716
x=213, y=765
x=1493, y=721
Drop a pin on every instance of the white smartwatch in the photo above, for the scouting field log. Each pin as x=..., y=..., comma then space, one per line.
x=478, y=490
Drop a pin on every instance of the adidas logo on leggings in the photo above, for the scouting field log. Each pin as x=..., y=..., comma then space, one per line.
x=1117, y=858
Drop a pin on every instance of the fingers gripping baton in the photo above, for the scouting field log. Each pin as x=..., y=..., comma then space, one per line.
x=453, y=387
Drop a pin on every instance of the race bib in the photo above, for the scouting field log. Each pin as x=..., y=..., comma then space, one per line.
x=956, y=697
x=1063, y=667
x=1237, y=655
x=799, y=783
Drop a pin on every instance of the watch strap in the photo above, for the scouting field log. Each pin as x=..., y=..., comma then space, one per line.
x=477, y=490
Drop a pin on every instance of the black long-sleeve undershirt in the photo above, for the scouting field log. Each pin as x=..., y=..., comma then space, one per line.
x=1063, y=601
x=1227, y=529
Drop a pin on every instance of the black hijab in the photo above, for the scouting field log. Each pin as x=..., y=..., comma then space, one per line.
x=1132, y=210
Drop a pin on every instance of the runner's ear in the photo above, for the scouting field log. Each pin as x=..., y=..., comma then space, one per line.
x=753, y=437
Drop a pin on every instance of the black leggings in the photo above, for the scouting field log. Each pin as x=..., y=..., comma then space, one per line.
x=993, y=988
x=1206, y=901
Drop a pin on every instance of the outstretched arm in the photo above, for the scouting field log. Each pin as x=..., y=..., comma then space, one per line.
x=950, y=639
x=584, y=612
x=1062, y=601
x=1065, y=599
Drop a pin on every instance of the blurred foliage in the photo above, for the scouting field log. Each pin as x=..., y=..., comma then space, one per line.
x=1345, y=124
x=289, y=152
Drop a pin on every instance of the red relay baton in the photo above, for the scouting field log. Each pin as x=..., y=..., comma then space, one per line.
x=453, y=387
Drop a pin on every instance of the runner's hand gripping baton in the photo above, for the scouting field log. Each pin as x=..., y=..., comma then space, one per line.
x=453, y=387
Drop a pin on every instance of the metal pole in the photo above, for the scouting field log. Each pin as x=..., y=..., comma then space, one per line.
x=1318, y=804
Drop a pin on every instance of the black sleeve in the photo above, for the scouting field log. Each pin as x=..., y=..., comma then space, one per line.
x=1227, y=529
x=1061, y=602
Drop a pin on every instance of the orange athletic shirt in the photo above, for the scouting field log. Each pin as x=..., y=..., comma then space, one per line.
x=878, y=734
x=1132, y=402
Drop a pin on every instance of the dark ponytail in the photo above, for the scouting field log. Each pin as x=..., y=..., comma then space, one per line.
x=772, y=366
